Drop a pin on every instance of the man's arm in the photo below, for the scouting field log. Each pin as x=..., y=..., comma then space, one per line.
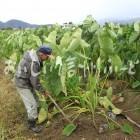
x=34, y=78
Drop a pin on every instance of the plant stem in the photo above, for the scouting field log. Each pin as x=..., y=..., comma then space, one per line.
x=65, y=116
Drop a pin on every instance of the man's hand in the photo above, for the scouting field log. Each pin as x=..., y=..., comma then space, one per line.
x=46, y=93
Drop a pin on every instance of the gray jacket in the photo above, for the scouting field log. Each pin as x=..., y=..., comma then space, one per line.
x=28, y=72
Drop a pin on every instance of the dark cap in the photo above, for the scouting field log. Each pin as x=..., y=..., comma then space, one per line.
x=45, y=49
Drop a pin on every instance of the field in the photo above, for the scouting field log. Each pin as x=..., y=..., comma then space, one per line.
x=95, y=71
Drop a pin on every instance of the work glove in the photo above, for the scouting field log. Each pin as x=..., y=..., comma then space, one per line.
x=46, y=93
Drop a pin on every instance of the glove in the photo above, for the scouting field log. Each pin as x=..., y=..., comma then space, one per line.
x=46, y=93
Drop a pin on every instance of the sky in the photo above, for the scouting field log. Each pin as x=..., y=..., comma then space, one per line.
x=61, y=11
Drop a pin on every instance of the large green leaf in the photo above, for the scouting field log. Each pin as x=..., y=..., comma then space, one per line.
x=88, y=21
x=52, y=80
x=116, y=62
x=36, y=39
x=137, y=26
x=112, y=34
x=105, y=42
x=95, y=26
x=134, y=36
x=42, y=116
x=74, y=44
x=84, y=44
x=77, y=33
x=107, y=104
x=51, y=38
x=65, y=40
x=75, y=40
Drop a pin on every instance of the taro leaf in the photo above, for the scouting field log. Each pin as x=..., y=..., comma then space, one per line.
x=137, y=26
x=65, y=40
x=112, y=34
x=42, y=116
x=136, y=84
x=106, y=43
x=51, y=38
x=116, y=62
x=120, y=31
x=69, y=129
x=88, y=21
x=95, y=26
x=36, y=39
x=84, y=44
x=76, y=41
x=107, y=104
x=109, y=93
x=74, y=44
x=126, y=128
x=116, y=110
x=77, y=33
x=133, y=37
x=52, y=81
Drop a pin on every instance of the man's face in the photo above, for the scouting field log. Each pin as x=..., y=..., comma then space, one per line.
x=44, y=57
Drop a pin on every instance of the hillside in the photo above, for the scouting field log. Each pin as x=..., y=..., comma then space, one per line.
x=17, y=24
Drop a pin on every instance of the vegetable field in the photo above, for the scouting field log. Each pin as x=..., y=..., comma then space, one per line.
x=94, y=76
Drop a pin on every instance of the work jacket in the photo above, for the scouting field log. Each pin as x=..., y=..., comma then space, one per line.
x=28, y=72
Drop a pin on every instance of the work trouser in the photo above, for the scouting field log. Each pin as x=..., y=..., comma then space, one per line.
x=30, y=102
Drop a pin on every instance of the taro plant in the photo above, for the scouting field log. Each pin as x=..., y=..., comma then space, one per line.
x=69, y=53
x=16, y=44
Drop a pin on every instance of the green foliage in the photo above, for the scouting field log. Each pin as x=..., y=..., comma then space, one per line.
x=51, y=38
x=84, y=54
x=109, y=93
x=52, y=80
x=133, y=37
x=42, y=116
x=67, y=131
x=137, y=26
x=128, y=129
x=72, y=84
x=116, y=63
x=107, y=104
x=136, y=84
x=105, y=42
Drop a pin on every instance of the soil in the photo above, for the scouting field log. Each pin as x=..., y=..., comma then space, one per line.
x=13, y=118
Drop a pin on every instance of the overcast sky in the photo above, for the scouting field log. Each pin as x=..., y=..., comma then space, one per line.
x=60, y=11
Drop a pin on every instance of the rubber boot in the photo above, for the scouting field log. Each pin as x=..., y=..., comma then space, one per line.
x=35, y=128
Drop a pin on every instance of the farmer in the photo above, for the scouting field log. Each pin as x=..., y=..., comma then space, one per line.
x=27, y=81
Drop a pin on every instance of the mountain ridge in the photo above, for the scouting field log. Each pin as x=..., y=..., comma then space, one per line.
x=14, y=23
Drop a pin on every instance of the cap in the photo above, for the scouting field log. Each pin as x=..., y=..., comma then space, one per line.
x=45, y=49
